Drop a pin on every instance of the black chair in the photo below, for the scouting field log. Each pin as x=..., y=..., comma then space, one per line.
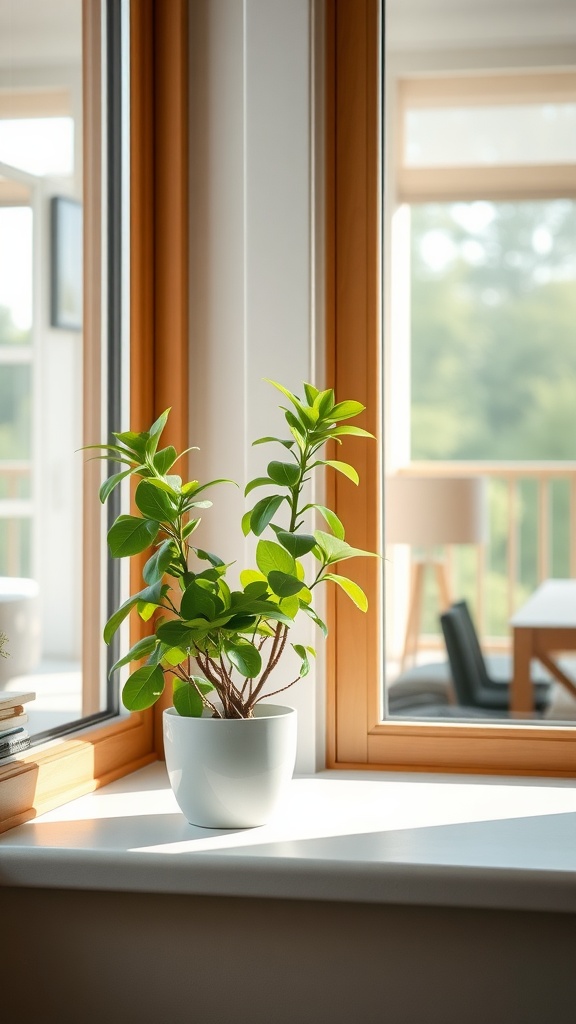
x=473, y=685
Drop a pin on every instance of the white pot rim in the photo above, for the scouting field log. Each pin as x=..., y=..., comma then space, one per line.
x=261, y=711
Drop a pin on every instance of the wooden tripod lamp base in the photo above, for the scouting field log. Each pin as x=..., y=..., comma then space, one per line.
x=416, y=602
x=428, y=512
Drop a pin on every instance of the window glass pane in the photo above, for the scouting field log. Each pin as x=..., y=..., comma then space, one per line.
x=15, y=550
x=41, y=366
x=15, y=274
x=542, y=133
x=15, y=411
x=493, y=324
x=38, y=145
x=493, y=369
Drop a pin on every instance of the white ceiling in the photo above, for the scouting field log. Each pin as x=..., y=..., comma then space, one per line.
x=40, y=32
x=48, y=32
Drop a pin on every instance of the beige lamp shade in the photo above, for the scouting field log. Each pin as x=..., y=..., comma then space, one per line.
x=427, y=510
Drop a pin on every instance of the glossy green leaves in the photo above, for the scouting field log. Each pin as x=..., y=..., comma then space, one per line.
x=213, y=638
x=143, y=688
x=188, y=696
x=130, y=535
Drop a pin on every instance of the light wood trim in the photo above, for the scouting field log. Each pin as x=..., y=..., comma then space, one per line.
x=490, y=750
x=93, y=757
x=42, y=102
x=503, y=470
x=544, y=518
x=160, y=226
x=171, y=242
x=354, y=359
x=357, y=736
x=43, y=780
x=330, y=328
x=487, y=89
x=436, y=184
x=512, y=536
x=572, y=520
x=14, y=193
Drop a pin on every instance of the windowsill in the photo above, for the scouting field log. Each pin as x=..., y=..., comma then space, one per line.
x=507, y=843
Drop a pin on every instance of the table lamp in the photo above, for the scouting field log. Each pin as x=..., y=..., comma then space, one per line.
x=428, y=511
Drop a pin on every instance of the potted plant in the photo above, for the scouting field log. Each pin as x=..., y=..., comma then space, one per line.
x=227, y=752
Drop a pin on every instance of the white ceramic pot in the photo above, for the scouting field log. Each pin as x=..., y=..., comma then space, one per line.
x=20, y=621
x=230, y=773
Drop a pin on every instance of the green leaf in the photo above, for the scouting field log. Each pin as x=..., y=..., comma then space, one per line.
x=297, y=544
x=158, y=563
x=283, y=584
x=331, y=518
x=112, y=481
x=245, y=657
x=172, y=656
x=224, y=591
x=190, y=527
x=257, y=588
x=259, y=481
x=241, y=623
x=197, y=602
x=297, y=430
x=191, y=492
x=286, y=474
x=249, y=576
x=325, y=403
x=129, y=535
x=354, y=431
x=303, y=655
x=263, y=512
x=175, y=633
x=315, y=618
x=311, y=393
x=290, y=606
x=163, y=485
x=154, y=503
x=292, y=398
x=140, y=650
x=265, y=440
x=271, y=556
x=152, y=594
x=345, y=410
x=354, y=592
x=134, y=442
x=165, y=459
x=246, y=520
x=158, y=426
x=337, y=550
x=187, y=700
x=207, y=556
x=143, y=688
x=344, y=468
x=189, y=487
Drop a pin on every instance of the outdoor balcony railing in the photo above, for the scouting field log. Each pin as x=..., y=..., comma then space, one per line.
x=16, y=511
x=531, y=533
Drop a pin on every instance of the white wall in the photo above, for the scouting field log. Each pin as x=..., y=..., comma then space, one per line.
x=252, y=267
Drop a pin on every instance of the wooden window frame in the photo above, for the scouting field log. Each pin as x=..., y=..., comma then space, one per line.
x=62, y=770
x=357, y=737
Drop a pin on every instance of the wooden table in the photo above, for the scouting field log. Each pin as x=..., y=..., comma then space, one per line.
x=543, y=626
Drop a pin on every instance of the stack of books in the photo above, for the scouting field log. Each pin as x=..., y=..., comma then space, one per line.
x=13, y=718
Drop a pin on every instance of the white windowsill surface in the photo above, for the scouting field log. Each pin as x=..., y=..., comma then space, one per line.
x=375, y=837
